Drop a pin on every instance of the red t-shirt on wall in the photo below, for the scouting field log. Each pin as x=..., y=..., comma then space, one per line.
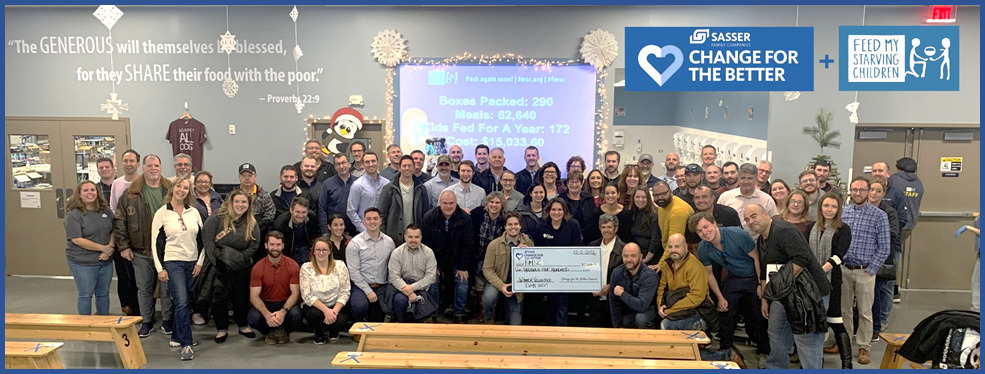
x=187, y=136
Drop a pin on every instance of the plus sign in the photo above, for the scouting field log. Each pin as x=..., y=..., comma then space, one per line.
x=827, y=60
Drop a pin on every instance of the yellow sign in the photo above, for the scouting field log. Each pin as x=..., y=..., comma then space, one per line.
x=951, y=164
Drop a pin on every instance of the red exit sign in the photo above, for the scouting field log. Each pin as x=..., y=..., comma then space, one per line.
x=942, y=14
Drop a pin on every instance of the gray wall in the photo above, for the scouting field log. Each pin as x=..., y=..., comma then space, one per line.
x=337, y=40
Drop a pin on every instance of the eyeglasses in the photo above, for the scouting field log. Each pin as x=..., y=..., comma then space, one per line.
x=860, y=190
x=764, y=171
x=795, y=202
x=185, y=164
x=202, y=182
x=808, y=181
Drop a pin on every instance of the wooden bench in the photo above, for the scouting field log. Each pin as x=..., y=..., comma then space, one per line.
x=891, y=360
x=120, y=330
x=534, y=340
x=403, y=360
x=31, y=355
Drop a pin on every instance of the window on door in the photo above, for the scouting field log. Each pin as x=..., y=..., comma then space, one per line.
x=30, y=161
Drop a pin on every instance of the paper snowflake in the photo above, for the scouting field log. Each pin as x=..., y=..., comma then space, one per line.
x=853, y=107
x=230, y=87
x=299, y=106
x=114, y=106
x=228, y=42
x=791, y=95
x=297, y=52
x=599, y=48
x=389, y=48
x=108, y=15
x=294, y=14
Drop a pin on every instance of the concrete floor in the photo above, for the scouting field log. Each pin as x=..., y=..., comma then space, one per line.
x=240, y=352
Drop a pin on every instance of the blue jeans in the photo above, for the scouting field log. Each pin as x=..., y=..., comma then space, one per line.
x=362, y=309
x=882, y=304
x=92, y=280
x=460, y=292
x=976, y=286
x=179, y=283
x=400, y=302
x=643, y=320
x=256, y=320
x=810, y=347
x=491, y=296
x=693, y=322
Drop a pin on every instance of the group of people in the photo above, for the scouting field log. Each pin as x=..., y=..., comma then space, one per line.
x=343, y=241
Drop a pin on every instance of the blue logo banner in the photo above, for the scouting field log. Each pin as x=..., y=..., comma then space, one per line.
x=898, y=58
x=719, y=58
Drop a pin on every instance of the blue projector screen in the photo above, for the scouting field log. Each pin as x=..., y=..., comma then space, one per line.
x=504, y=106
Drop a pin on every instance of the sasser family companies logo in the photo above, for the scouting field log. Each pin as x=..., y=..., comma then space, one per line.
x=719, y=59
x=898, y=58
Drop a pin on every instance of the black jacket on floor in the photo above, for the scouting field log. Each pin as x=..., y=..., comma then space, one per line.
x=927, y=341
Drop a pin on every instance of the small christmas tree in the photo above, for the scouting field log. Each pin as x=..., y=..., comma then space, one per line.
x=824, y=136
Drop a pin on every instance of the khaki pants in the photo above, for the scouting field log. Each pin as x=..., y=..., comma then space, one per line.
x=858, y=289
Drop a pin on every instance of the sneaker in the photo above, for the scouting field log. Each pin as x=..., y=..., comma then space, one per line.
x=897, y=299
x=270, y=339
x=174, y=344
x=167, y=327
x=283, y=337
x=333, y=339
x=320, y=339
x=145, y=330
x=762, y=361
x=874, y=339
x=187, y=353
x=197, y=319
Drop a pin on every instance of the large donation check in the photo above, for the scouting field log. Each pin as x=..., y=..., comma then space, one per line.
x=557, y=269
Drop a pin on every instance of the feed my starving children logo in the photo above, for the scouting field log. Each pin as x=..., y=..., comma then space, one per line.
x=719, y=59
x=898, y=58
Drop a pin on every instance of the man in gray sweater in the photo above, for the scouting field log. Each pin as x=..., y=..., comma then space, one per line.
x=412, y=269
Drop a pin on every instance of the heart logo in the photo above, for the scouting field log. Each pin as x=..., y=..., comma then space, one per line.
x=660, y=52
x=519, y=256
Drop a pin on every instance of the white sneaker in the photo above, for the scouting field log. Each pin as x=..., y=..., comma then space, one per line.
x=187, y=353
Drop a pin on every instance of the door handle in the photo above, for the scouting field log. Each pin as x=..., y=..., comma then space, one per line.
x=947, y=214
x=60, y=203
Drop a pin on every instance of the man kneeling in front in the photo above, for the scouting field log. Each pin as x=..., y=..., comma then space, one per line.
x=275, y=288
x=632, y=288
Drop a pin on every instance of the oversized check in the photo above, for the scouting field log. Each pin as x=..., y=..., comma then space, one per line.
x=557, y=269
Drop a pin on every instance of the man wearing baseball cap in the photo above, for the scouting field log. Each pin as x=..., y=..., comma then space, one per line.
x=646, y=166
x=443, y=180
x=694, y=176
x=263, y=206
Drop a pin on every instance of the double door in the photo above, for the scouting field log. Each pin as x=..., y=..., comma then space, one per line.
x=932, y=257
x=47, y=158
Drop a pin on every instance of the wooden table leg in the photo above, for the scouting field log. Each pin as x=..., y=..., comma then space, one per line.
x=131, y=351
x=891, y=360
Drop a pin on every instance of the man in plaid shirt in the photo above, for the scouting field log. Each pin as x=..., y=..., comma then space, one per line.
x=868, y=251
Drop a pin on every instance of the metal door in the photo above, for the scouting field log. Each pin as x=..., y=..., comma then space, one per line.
x=877, y=144
x=937, y=260
x=48, y=157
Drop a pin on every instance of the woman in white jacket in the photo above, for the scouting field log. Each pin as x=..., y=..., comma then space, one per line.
x=325, y=289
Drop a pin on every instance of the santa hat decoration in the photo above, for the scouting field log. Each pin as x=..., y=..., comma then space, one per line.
x=348, y=114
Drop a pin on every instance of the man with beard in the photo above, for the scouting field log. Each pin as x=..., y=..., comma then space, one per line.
x=868, y=252
x=263, y=206
x=324, y=169
x=275, y=289
x=412, y=270
x=489, y=178
x=730, y=177
x=402, y=202
x=682, y=273
x=646, y=169
x=808, y=184
x=671, y=164
x=287, y=190
x=441, y=181
x=781, y=244
x=182, y=167
x=469, y=196
x=632, y=287
x=308, y=181
x=365, y=191
x=358, y=150
x=822, y=168
x=393, y=154
x=481, y=158
x=611, y=173
x=694, y=176
x=672, y=213
x=713, y=177
x=747, y=194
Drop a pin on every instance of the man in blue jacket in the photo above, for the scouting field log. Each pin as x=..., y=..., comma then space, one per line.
x=632, y=288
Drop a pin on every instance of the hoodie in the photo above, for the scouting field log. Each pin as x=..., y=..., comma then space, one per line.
x=912, y=189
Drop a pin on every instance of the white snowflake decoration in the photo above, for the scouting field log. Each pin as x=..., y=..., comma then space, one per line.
x=230, y=87
x=294, y=14
x=853, y=107
x=599, y=48
x=228, y=42
x=114, y=106
x=299, y=106
x=297, y=52
x=108, y=15
x=791, y=95
x=389, y=48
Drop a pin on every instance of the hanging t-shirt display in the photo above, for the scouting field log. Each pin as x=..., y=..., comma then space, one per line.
x=187, y=135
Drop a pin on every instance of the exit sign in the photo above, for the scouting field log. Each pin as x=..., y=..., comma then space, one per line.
x=942, y=14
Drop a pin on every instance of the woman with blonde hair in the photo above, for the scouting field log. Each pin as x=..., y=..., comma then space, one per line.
x=794, y=210
x=231, y=237
x=325, y=289
x=89, y=248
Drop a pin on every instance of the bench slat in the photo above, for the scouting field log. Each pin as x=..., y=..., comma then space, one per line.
x=383, y=360
x=532, y=332
x=559, y=347
x=69, y=320
x=27, y=349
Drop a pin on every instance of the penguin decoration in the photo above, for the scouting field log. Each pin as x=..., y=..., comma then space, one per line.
x=345, y=123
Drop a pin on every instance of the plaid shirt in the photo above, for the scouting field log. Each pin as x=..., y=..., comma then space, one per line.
x=870, y=236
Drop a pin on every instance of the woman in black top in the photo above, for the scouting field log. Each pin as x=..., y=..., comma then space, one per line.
x=645, y=229
x=532, y=210
x=582, y=207
x=557, y=230
x=829, y=240
x=338, y=240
